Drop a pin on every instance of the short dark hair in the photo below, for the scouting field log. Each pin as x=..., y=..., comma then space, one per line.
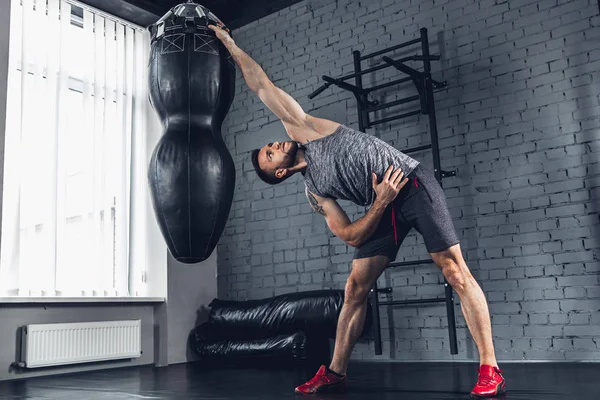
x=265, y=177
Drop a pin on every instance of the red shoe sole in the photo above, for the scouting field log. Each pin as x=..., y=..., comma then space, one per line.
x=334, y=387
x=500, y=391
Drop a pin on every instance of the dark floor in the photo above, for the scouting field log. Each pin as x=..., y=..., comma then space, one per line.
x=366, y=381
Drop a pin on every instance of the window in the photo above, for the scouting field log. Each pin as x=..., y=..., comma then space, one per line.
x=74, y=209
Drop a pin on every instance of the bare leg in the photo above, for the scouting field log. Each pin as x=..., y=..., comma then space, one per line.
x=365, y=272
x=472, y=301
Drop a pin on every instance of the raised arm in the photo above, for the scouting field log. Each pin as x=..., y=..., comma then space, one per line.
x=358, y=232
x=300, y=126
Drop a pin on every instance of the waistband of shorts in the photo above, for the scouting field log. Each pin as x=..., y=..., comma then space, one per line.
x=416, y=170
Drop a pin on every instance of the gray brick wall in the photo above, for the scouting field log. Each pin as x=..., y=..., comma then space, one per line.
x=518, y=122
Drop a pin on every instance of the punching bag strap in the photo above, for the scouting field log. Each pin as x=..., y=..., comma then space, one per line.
x=160, y=30
x=190, y=25
x=178, y=22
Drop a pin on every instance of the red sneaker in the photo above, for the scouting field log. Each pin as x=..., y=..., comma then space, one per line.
x=490, y=383
x=323, y=381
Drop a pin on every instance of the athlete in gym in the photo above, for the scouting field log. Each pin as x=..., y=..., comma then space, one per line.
x=338, y=162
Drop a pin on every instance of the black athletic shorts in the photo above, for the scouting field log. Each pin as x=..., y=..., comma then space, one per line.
x=421, y=204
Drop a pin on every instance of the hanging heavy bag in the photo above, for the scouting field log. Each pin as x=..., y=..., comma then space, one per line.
x=191, y=173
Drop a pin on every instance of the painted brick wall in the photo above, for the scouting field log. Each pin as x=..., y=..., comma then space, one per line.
x=518, y=122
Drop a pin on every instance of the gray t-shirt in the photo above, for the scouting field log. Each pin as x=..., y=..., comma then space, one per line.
x=339, y=166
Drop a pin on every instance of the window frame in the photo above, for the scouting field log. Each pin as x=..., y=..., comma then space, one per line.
x=158, y=289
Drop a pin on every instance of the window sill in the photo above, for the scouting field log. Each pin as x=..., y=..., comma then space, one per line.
x=81, y=300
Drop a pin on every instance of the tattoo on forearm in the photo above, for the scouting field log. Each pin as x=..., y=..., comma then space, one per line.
x=314, y=203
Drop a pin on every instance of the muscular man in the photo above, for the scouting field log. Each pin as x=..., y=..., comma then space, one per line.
x=338, y=162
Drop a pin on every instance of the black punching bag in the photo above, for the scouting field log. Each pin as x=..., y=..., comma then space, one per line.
x=191, y=173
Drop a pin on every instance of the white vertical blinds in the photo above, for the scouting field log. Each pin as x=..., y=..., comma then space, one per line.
x=74, y=196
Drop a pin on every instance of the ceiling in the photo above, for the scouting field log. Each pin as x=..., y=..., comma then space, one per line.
x=234, y=13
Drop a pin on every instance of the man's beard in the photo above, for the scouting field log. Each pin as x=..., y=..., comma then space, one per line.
x=290, y=157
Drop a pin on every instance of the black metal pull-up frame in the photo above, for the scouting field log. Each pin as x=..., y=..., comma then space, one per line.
x=425, y=85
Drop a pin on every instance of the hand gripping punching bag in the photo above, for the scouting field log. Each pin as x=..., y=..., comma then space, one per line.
x=191, y=173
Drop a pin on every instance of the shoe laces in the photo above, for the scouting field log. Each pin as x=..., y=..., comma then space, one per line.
x=485, y=380
x=315, y=379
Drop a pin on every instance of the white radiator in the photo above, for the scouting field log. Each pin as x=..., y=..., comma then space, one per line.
x=59, y=344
